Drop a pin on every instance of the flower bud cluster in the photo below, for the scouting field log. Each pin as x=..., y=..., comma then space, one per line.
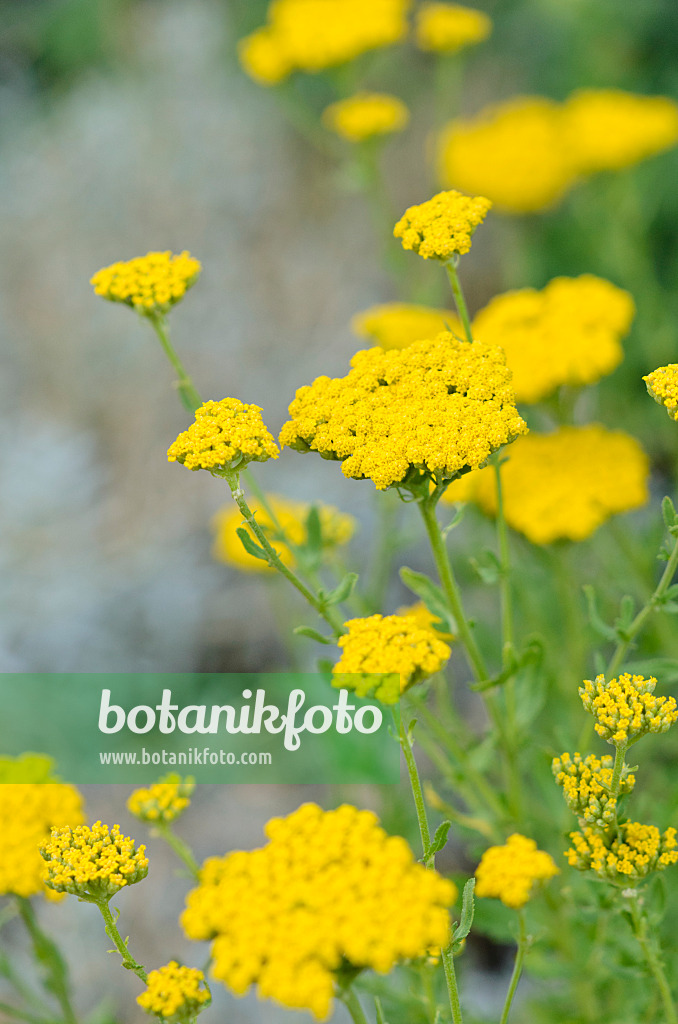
x=151, y=284
x=92, y=863
x=174, y=993
x=442, y=227
x=628, y=854
x=626, y=709
x=586, y=786
x=226, y=435
x=510, y=872
x=162, y=802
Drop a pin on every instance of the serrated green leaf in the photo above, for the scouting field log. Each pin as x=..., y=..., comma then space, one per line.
x=467, y=911
x=342, y=591
x=669, y=514
x=429, y=593
x=439, y=840
x=250, y=545
x=313, y=634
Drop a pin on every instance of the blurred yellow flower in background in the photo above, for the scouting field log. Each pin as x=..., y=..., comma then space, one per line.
x=511, y=872
x=366, y=115
x=397, y=324
x=448, y=28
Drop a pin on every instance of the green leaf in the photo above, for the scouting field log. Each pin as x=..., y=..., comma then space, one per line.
x=340, y=592
x=439, y=840
x=313, y=634
x=601, y=627
x=250, y=546
x=626, y=611
x=461, y=512
x=488, y=567
x=670, y=515
x=379, y=1011
x=430, y=594
x=467, y=912
x=314, y=530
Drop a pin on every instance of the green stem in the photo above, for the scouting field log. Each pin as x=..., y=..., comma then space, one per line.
x=653, y=960
x=508, y=640
x=459, y=300
x=331, y=616
x=182, y=849
x=11, y=1012
x=128, y=961
x=47, y=954
x=184, y=385
x=420, y=806
x=619, y=755
x=352, y=1004
x=452, y=987
x=517, y=968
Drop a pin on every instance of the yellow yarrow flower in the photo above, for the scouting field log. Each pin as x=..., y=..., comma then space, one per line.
x=151, y=284
x=28, y=811
x=226, y=435
x=568, y=333
x=459, y=405
x=263, y=58
x=397, y=324
x=511, y=152
x=662, y=385
x=564, y=485
x=174, y=993
x=586, y=786
x=382, y=656
x=448, y=28
x=442, y=227
x=626, y=709
x=510, y=872
x=366, y=115
x=607, y=129
x=330, y=890
x=626, y=855
x=163, y=802
x=336, y=528
x=92, y=863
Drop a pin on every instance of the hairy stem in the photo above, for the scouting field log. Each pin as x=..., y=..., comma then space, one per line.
x=128, y=961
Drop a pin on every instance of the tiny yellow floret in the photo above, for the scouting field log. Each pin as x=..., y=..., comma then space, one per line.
x=226, y=435
x=94, y=862
x=459, y=404
x=626, y=709
x=330, y=891
x=397, y=324
x=564, y=485
x=510, y=872
x=366, y=115
x=448, y=28
x=174, y=993
x=623, y=856
x=442, y=227
x=151, y=284
x=384, y=655
x=586, y=786
x=662, y=385
x=163, y=802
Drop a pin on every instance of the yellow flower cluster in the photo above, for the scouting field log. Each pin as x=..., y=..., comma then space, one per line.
x=226, y=435
x=586, y=786
x=365, y=115
x=510, y=151
x=626, y=709
x=459, y=404
x=629, y=855
x=329, y=890
x=442, y=227
x=151, y=284
x=607, y=129
x=174, y=993
x=568, y=333
x=510, y=872
x=564, y=485
x=397, y=324
x=527, y=152
x=383, y=656
x=448, y=28
x=28, y=811
x=662, y=385
x=336, y=528
x=311, y=35
x=92, y=862
x=162, y=802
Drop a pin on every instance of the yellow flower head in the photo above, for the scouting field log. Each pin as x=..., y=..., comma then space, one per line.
x=385, y=655
x=336, y=528
x=174, y=993
x=448, y=28
x=330, y=889
x=459, y=404
x=662, y=385
x=365, y=115
x=607, y=129
x=311, y=35
x=226, y=435
x=626, y=709
x=442, y=227
x=509, y=872
x=163, y=802
x=397, y=324
x=151, y=284
x=426, y=619
x=586, y=786
x=94, y=862
x=512, y=152
x=625, y=856
x=28, y=811
x=564, y=485
x=568, y=333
